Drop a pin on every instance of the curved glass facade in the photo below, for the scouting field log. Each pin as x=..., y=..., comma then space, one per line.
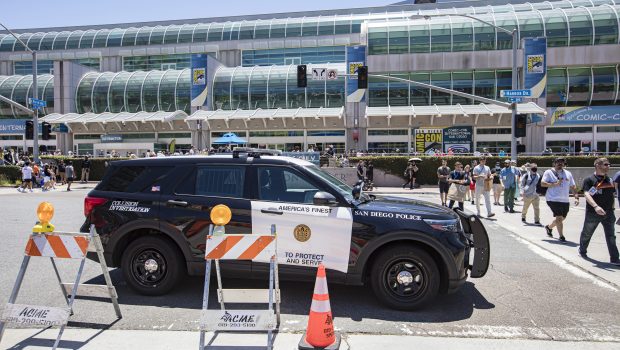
x=574, y=86
x=19, y=88
x=134, y=92
x=275, y=87
x=562, y=27
x=454, y=35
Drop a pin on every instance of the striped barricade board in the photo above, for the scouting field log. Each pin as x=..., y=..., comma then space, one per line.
x=35, y=315
x=240, y=247
x=238, y=320
x=55, y=245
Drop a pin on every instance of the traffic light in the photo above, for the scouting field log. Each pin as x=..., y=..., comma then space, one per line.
x=29, y=130
x=520, y=125
x=46, y=130
x=362, y=77
x=302, y=78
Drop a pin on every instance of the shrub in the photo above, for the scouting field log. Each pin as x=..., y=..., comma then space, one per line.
x=10, y=173
x=97, y=165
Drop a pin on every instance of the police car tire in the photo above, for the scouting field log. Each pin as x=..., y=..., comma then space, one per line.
x=165, y=252
x=383, y=268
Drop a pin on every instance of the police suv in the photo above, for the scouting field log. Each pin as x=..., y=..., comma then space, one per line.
x=153, y=216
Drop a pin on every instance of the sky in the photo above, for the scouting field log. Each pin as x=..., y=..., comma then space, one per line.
x=59, y=13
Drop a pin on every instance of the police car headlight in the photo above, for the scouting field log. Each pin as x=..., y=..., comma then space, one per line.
x=451, y=225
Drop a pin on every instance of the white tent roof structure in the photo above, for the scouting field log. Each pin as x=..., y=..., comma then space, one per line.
x=122, y=117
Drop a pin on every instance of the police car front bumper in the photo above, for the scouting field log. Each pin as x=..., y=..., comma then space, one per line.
x=479, y=244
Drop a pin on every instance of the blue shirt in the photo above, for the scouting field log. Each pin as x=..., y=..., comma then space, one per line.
x=509, y=177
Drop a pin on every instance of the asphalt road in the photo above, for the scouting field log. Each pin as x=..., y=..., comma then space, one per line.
x=524, y=295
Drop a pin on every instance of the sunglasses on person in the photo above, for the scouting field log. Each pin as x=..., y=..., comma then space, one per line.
x=534, y=169
x=605, y=164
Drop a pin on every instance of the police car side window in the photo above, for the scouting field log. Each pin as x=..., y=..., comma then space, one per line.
x=280, y=184
x=220, y=181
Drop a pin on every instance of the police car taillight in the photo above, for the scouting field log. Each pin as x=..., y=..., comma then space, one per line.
x=91, y=203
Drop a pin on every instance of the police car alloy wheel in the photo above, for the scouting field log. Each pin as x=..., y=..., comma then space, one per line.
x=405, y=277
x=152, y=266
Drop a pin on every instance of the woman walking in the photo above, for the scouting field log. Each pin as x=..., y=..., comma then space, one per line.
x=410, y=174
x=459, y=185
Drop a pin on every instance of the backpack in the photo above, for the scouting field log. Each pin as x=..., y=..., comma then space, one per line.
x=540, y=190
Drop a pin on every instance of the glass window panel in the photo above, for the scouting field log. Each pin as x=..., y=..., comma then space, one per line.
x=277, y=87
x=234, y=34
x=262, y=30
x=462, y=36
x=356, y=26
x=33, y=42
x=6, y=86
x=84, y=102
x=134, y=87
x=316, y=93
x=24, y=38
x=579, y=86
x=463, y=82
x=399, y=40
x=504, y=40
x=150, y=91
x=74, y=40
x=377, y=92
x=228, y=26
x=604, y=85
x=247, y=31
x=240, y=88
x=61, y=41
x=117, y=92
x=182, y=92
x=503, y=81
x=326, y=27
x=47, y=94
x=101, y=38
x=399, y=91
x=277, y=29
x=20, y=94
x=440, y=37
x=335, y=91
x=309, y=28
x=166, y=90
x=342, y=27
x=258, y=88
x=485, y=84
x=200, y=33
x=419, y=40
x=157, y=35
x=296, y=96
x=377, y=41
x=293, y=29
x=441, y=79
x=556, y=30
x=556, y=87
x=530, y=25
x=606, y=26
x=221, y=89
x=7, y=43
x=215, y=32
x=47, y=41
x=115, y=37
x=100, y=95
x=129, y=38
x=142, y=38
x=185, y=34
x=580, y=28
x=172, y=34
x=420, y=96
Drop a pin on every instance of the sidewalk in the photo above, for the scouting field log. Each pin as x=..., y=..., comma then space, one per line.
x=90, y=339
x=598, y=262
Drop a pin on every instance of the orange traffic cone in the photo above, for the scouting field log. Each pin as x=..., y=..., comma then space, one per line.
x=320, y=331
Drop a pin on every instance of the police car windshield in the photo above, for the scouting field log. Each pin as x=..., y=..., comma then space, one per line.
x=341, y=187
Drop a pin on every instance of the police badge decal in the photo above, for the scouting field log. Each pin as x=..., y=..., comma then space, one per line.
x=302, y=233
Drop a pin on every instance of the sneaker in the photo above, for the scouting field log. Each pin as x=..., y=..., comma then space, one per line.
x=512, y=211
x=537, y=223
x=31, y=191
x=562, y=238
x=583, y=255
x=522, y=219
x=505, y=208
x=549, y=231
x=491, y=215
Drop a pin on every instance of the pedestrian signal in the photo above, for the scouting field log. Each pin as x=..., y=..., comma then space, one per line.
x=302, y=78
x=29, y=130
x=46, y=130
x=520, y=125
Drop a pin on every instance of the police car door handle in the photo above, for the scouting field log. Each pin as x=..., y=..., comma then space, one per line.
x=173, y=203
x=271, y=211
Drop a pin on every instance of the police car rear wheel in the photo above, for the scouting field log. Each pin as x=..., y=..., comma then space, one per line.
x=405, y=278
x=151, y=265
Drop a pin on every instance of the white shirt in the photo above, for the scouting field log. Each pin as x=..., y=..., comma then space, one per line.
x=559, y=193
x=481, y=170
x=26, y=173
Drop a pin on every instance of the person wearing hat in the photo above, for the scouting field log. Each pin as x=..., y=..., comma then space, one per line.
x=509, y=181
x=559, y=183
x=529, y=183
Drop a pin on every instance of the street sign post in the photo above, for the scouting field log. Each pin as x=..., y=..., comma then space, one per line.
x=515, y=93
x=319, y=73
x=515, y=99
x=37, y=104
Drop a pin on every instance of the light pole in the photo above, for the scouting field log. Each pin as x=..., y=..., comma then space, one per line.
x=35, y=114
x=515, y=77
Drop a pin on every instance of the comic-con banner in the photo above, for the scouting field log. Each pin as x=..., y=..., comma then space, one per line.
x=595, y=115
x=458, y=139
x=356, y=57
x=535, y=50
x=428, y=141
x=199, y=79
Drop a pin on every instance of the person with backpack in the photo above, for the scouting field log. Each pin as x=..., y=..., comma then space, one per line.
x=559, y=183
x=530, y=190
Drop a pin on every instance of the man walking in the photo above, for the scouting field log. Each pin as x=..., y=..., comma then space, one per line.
x=559, y=183
x=444, y=186
x=70, y=174
x=360, y=170
x=482, y=174
x=509, y=181
x=26, y=178
x=86, y=169
x=599, y=192
x=529, y=184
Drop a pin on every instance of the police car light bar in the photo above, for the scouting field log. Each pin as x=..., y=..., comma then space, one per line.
x=255, y=152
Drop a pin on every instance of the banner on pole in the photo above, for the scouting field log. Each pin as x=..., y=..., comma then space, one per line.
x=535, y=61
x=198, y=78
x=356, y=57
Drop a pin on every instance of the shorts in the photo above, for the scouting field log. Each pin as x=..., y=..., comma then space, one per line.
x=70, y=179
x=559, y=208
x=27, y=180
x=444, y=187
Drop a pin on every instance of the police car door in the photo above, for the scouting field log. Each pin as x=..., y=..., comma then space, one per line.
x=307, y=233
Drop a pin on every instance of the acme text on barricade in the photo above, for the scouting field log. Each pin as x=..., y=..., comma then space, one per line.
x=35, y=315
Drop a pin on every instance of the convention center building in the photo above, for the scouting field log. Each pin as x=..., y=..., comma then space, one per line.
x=134, y=87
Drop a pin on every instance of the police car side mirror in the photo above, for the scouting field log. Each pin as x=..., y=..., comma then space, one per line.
x=325, y=199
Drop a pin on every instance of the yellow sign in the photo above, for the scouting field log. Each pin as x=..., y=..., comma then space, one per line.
x=536, y=63
x=302, y=233
x=199, y=76
x=353, y=66
x=429, y=141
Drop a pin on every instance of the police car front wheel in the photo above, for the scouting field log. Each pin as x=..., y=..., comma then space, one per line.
x=151, y=265
x=405, y=277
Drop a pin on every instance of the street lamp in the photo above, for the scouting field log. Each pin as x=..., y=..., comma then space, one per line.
x=515, y=78
x=35, y=114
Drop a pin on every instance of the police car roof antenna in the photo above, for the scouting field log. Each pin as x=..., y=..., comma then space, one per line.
x=261, y=247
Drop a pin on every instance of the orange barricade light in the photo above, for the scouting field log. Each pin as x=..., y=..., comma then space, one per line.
x=220, y=216
x=45, y=213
